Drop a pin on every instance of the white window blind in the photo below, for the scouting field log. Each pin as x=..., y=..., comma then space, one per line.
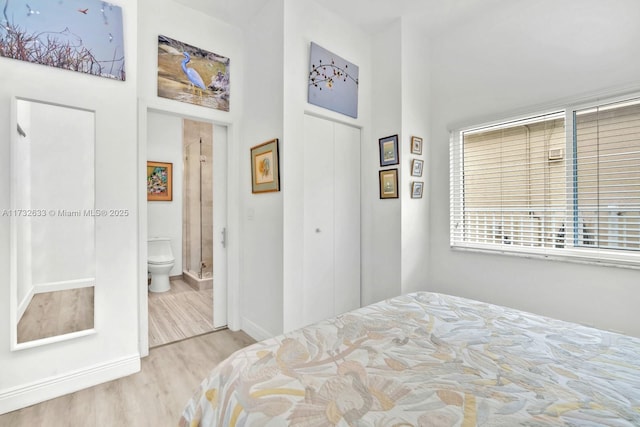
x=508, y=192
x=607, y=164
x=563, y=184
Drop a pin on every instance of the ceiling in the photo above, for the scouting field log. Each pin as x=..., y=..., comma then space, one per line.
x=370, y=15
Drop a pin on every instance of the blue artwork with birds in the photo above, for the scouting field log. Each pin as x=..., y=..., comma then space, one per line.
x=78, y=35
x=193, y=75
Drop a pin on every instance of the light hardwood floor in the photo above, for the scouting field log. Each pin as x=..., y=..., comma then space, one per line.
x=153, y=397
x=182, y=312
x=56, y=313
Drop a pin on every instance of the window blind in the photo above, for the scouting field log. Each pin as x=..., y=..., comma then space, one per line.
x=562, y=184
x=607, y=165
x=510, y=184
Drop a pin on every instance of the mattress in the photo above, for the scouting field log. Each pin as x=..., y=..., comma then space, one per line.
x=427, y=359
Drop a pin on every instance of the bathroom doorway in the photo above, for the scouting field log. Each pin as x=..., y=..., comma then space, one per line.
x=195, y=221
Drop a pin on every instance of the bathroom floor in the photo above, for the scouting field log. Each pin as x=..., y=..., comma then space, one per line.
x=179, y=313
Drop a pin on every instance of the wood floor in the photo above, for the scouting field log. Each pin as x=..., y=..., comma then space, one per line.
x=56, y=313
x=179, y=313
x=153, y=397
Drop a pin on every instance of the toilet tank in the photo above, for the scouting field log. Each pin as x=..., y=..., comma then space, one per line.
x=159, y=249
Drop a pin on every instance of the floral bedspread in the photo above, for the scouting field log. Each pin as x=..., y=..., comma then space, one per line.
x=427, y=359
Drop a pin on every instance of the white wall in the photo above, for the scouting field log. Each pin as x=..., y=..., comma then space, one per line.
x=415, y=72
x=164, y=144
x=306, y=21
x=512, y=59
x=394, y=254
x=381, y=225
x=35, y=374
x=262, y=223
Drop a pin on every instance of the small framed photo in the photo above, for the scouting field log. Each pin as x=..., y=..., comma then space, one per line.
x=389, y=184
x=416, y=167
x=416, y=189
x=265, y=170
x=159, y=181
x=389, y=154
x=416, y=145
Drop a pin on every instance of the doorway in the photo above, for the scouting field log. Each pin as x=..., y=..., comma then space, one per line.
x=194, y=220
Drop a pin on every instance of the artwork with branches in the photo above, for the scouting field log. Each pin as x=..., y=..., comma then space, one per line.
x=333, y=82
x=78, y=35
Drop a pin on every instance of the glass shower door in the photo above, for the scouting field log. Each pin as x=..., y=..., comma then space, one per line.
x=198, y=200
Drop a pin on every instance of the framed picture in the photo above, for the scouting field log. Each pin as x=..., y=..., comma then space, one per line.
x=389, y=154
x=416, y=167
x=389, y=184
x=416, y=189
x=159, y=181
x=333, y=82
x=193, y=75
x=265, y=170
x=416, y=145
x=79, y=36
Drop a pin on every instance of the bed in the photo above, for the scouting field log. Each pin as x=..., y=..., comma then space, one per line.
x=427, y=359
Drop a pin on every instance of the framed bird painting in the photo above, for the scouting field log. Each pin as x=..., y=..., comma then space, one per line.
x=189, y=74
x=84, y=36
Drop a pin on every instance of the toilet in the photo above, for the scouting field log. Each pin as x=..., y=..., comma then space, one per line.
x=159, y=263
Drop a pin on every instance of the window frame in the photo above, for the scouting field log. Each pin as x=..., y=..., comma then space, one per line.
x=571, y=252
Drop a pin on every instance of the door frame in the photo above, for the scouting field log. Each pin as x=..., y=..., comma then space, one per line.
x=233, y=224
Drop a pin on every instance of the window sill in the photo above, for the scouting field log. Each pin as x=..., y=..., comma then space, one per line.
x=601, y=258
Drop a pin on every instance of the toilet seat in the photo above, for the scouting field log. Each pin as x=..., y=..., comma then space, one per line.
x=160, y=259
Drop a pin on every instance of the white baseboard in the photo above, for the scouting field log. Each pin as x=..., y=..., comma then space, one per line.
x=59, y=385
x=40, y=288
x=254, y=331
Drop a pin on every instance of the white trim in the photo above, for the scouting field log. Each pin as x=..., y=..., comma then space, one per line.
x=38, y=391
x=574, y=256
x=142, y=276
x=22, y=307
x=234, y=216
x=255, y=331
x=52, y=339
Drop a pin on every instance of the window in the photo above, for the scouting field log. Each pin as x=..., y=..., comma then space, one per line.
x=562, y=184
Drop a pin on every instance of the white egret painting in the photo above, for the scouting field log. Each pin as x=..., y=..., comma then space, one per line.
x=193, y=75
x=78, y=35
x=333, y=82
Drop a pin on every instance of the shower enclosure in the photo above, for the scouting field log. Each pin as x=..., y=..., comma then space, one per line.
x=197, y=222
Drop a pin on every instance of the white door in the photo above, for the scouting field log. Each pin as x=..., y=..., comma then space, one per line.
x=331, y=270
x=219, y=226
x=347, y=218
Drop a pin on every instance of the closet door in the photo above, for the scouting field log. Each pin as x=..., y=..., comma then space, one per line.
x=346, y=218
x=318, y=219
x=331, y=219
